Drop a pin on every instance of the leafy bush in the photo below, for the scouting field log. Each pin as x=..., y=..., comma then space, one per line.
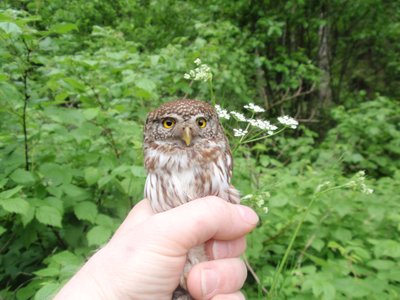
x=74, y=97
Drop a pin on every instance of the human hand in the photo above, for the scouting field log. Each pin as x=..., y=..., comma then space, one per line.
x=145, y=257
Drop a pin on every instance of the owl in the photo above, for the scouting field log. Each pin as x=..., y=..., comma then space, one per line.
x=187, y=156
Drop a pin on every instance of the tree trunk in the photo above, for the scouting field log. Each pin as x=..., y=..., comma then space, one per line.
x=325, y=91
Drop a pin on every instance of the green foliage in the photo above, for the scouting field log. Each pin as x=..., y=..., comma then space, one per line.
x=78, y=77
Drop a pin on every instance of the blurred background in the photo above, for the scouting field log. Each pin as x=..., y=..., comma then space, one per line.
x=78, y=77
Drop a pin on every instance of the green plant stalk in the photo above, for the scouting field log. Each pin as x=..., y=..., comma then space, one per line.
x=262, y=137
x=211, y=88
x=288, y=249
x=293, y=238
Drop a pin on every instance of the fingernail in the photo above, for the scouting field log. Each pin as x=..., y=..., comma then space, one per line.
x=220, y=250
x=209, y=282
x=248, y=214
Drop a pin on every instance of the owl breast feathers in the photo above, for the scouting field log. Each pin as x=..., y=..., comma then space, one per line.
x=186, y=154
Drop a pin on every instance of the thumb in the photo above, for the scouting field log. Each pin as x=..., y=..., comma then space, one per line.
x=200, y=220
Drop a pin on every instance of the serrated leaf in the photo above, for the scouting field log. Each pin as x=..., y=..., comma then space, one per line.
x=66, y=258
x=47, y=272
x=104, y=220
x=74, y=84
x=62, y=28
x=75, y=192
x=86, y=211
x=10, y=28
x=21, y=176
x=61, y=96
x=91, y=113
x=145, y=84
x=56, y=174
x=98, y=235
x=28, y=216
x=92, y=175
x=389, y=248
x=11, y=192
x=48, y=215
x=15, y=205
x=48, y=291
x=104, y=180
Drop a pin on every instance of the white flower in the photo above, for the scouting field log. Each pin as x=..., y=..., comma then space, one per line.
x=222, y=113
x=238, y=116
x=288, y=121
x=265, y=209
x=254, y=108
x=239, y=132
x=263, y=125
x=202, y=72
x=358, y=182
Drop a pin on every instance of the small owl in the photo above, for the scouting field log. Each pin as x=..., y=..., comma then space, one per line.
x=187, y=156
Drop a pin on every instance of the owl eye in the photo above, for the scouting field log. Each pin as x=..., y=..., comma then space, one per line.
x=201, y=122
x=168, y=123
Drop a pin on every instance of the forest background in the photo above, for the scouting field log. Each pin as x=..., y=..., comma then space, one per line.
x=77, y=79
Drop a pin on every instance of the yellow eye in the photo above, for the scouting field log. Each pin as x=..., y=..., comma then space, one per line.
x=201, y=122
x=168, y=123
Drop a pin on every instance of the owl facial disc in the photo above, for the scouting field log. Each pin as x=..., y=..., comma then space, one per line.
x=187, y=136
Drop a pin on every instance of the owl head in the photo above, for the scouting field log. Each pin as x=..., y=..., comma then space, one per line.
x=183, y=123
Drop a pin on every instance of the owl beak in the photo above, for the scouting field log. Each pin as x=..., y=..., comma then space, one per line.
x=187, y=136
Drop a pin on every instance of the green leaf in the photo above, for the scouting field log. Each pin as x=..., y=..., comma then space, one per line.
x=145, y=84
x=104, y=220
x=92, y=175
x=56, y=174
x=75, y=192
x=91, y=113
x=48, y=291
x=2, y=230
x=382, y=264
x=9, y=193
x=28, y=216
x=278, y=201
x=15, y=205
x=138, y=171
x=63, y=28
x=86, y=211
x=10, y=28
x=389, y=248
x=48, y=272
x=49, y=215
x=65, y=258
x=98, y=235
x=21, y=176
x=75, y=84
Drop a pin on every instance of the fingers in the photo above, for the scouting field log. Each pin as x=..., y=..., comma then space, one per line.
x=211, y=278
x=234, y=296
x=198, y=221
x=217, y=249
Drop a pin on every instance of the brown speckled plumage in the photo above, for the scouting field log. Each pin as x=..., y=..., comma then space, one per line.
x=178, y=172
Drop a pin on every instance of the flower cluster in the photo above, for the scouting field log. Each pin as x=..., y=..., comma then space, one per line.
x=254, y=108
x=238, y=116
x=222, y=113
x=288, y=121
x=202, y=72
x=263, y=125
x=239, y=132
x=258, y=200
x=256, y=123
x=358, y=182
